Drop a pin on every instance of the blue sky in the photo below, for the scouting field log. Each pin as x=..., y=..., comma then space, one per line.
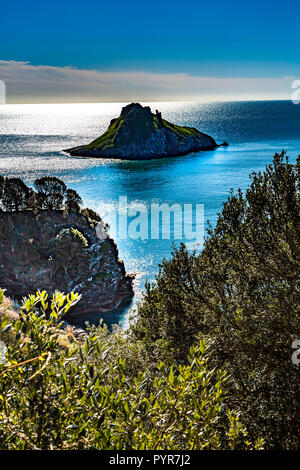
x=220, y=39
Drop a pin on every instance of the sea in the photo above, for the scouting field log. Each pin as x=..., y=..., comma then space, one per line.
x=32, y=139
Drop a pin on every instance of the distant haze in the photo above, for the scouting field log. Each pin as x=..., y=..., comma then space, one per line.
x=27, y=83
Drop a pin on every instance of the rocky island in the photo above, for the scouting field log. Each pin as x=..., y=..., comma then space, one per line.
x=47, y=242
x=138, y=134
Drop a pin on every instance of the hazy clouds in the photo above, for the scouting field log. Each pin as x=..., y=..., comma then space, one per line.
x=26, y=83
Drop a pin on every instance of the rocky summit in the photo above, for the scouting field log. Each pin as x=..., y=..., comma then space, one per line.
x=139, y=134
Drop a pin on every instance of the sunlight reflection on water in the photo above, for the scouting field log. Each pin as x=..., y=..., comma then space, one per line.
x=32, y=138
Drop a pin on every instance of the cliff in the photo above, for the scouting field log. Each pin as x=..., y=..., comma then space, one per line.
x=54, y=250
x=138, y=134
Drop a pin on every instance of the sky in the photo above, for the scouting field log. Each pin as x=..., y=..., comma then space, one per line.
x=69, y=51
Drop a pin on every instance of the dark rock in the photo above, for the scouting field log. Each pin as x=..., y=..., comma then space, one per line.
x=138, y=134
x=27, y=264
x=224, y=144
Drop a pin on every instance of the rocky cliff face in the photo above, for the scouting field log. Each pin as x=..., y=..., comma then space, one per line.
x=139, y=134
x=31, y=259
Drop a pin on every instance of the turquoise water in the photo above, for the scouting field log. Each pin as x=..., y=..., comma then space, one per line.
x=32, y=137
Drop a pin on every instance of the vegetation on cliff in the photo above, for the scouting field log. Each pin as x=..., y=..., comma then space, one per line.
x=205, y=365
x=48, y=242
x=51, y=194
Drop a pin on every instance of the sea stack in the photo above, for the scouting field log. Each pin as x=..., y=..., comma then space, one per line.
x=139, y=134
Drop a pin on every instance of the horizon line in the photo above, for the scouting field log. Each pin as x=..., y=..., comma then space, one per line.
x=145, y=101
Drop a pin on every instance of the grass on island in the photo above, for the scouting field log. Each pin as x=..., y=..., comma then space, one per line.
x=106, y=140
x=112, y=137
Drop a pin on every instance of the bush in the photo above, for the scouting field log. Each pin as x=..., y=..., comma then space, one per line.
x=69, y=250
x=91, y=215
x=84, y=397
x=242, y=293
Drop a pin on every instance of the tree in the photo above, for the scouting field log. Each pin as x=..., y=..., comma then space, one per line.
x=50, y=193
x=73, y=201
x=242, y=293
x=16, y=194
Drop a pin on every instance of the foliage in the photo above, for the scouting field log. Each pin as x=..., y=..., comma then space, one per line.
x=91, y=215
x=107, y=140
x=85, y=397
x=212, y=336
x=68, y=247
x=182, y=131
x=50, y=192
x=242, y=293
x=15, y=194
x=73, y=201
x=67, y=234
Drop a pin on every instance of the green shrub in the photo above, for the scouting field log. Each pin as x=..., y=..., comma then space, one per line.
x=242, y=293
x=91, y=215
x=85, y=397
